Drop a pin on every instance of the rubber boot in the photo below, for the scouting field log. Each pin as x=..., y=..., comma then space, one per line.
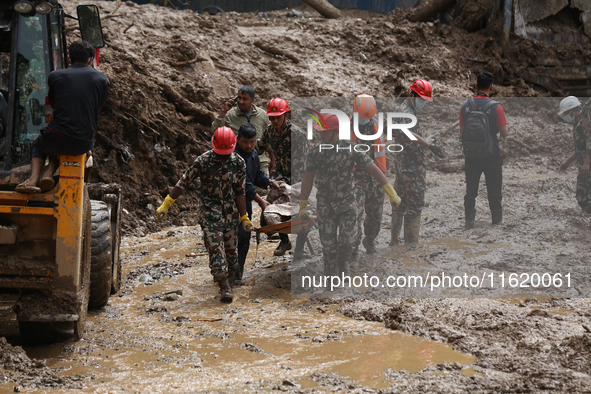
x=355, y=254
x=330, y=269
x=343, y=263
x=225, y=288
x=396, y=227
x=300, y=243
x=411, y=229
x=369, y=246
x=470, y=216
x=497, y=216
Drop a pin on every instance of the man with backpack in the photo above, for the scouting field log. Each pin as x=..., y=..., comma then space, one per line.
x=481, y=119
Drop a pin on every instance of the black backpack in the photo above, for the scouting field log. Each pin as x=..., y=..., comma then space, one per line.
x=476, y=139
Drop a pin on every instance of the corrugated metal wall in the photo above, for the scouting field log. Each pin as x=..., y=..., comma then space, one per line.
x=383, y=6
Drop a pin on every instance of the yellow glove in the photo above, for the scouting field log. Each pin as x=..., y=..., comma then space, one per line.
x=394, y=199
x=246, y=223
x=303, y=211
x=161, y=212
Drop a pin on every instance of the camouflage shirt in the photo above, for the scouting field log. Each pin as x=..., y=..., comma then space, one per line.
x=221, y=182
x=334, y=170
x=412, y=157
x=582, y=136
x=290, y=148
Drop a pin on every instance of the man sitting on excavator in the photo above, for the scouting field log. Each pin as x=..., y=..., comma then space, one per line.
x=76, y=95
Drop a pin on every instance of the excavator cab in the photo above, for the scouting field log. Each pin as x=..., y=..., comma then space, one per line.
x=59, y=250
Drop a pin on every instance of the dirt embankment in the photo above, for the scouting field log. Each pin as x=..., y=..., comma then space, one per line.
x=17, y=367
x=170, y=72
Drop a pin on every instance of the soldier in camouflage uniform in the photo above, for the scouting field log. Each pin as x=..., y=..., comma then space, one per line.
x=223, y=204
x=410, y=167
x=369, y=194
x=572, y=112
x=280, y=139
x=337, y=213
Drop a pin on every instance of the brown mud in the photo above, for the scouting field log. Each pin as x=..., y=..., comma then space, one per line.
x=166, y=331
x=170, y=333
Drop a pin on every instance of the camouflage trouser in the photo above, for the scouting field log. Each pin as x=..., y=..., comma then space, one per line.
x=584, y=192
x=410, y=187
x=221, y=246
x=337, y=227
x=370, y=199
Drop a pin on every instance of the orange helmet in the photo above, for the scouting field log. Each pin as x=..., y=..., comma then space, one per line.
x=423, y=88
x=365, y=106
x=277, y=107
x=223, y=141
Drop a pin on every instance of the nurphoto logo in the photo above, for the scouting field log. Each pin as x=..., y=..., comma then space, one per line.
x=345, y=129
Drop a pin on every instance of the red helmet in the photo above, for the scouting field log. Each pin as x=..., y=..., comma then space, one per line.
x=423, y=89
x=365, y=106
x=332, y=122
x=277, y=107
x=223, y=141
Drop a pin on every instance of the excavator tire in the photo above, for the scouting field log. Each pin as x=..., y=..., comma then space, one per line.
x=100, y=261
x=113, y=201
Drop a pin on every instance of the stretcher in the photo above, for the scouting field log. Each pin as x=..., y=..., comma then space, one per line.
x=296, y=226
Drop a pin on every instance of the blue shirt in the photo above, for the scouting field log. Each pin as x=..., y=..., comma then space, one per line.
x=254, y=175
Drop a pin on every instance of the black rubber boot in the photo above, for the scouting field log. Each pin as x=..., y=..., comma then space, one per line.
x=355, y=254
x=343, y=263
x=369, y=246
x=470, y=216
x=497, y=216
x=396, y=228
x=412, y=227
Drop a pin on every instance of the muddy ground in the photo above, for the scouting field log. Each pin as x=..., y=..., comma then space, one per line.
x=166, y=330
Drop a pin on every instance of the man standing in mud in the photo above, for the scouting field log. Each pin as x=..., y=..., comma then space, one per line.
x=223, y=205
x=255, y=177
x=410, y=167
x=288, y=147
x=369, y=194
x=573, y=112
x=334, y=161
x=239, y=110
x=489, y=163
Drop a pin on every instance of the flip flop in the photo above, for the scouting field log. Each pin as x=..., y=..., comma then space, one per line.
x=46, y=184
x=24, y=188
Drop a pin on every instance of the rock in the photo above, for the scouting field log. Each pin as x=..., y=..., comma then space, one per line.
x=171, y=297
x=146, y=278
x=290, y=382
x=296, y=14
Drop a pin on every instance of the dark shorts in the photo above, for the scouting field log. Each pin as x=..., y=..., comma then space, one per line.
x=49, y=143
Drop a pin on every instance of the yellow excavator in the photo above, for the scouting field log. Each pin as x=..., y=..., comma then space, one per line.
x=59, y=250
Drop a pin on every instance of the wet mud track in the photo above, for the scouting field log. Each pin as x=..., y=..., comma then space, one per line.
x=166, y=330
